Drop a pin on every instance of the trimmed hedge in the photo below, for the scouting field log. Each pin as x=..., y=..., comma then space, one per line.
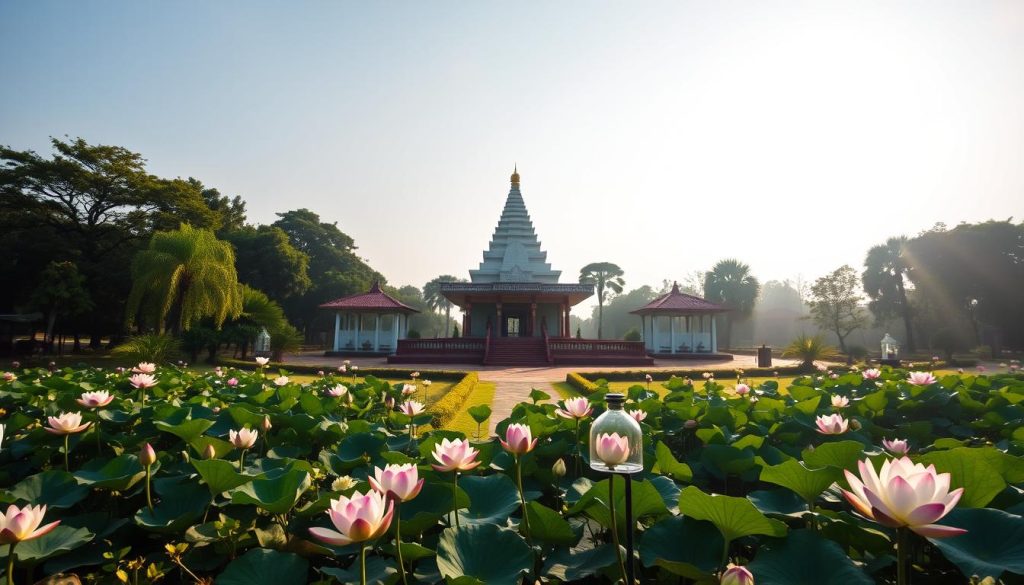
x=385, y=373
x=664, y=375
x=580, y=383
x=444, y=410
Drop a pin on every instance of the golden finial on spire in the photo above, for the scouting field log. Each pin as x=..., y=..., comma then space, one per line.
x=515, y=174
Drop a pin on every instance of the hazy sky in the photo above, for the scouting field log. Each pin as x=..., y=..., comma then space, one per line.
x=660, y=136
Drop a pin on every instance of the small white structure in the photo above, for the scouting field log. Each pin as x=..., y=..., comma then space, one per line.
x=890, y=348
x=368, y=323
x=261, y=346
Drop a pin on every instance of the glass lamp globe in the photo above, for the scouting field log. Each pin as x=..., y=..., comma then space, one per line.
x=616, y=424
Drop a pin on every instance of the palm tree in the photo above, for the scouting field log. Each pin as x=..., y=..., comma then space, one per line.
x=885, y=271
x=437, y=301
x=606, y=277
x=182, y=277
x=731, y=284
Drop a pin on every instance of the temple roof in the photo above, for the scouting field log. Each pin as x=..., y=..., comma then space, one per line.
x=679, y=303
x=514, y=254
x=462, y=293
x=375, y=300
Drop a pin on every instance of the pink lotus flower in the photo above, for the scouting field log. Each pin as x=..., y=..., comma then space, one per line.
x=243, y=439
x=97, y=399
x=832, y=424
x=143, y=380
x=144, y=368
x=904, y=494
x=414, y=375
x=648, y=378
x=959, y=370
x=262, y=361
x=20, y=524
x=427, y=382
x=337, y=391
x=708, y=375
x=921, y=378
x=518, y=439
x=357, y=519
x=737, y=575
x=355, y=368
x=638, y=415
x=742, y=389
x=613, y=449
x=320, y=373
x=576, y=408
x=9, y=377
x=690, y=424
x=833, y=376
x=68, y=423
x=400, y=482
x=872, y=374
x=981, y=368
x=209, y=452
x=408, y=389
x=281, y=381
x=896, y=446
x=840, y=401
x=342, y=369
x=147, y=456
x=266, y=425
x=233, y=382
x=455, y=455
x=411, y=407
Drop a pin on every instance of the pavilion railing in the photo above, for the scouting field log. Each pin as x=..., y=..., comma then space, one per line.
x=570, y=346
x=441, y=346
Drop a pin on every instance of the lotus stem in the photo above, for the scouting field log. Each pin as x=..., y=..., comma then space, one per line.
x=615, y=528
x=522, y=499
x=398, y=539
x=902, y=578
x=149, y=492
x=10, y=564
x=241, y=460
x=99, y=445
x=362, y=563
x=67, y=439
x=576, y=459
x=455, y=496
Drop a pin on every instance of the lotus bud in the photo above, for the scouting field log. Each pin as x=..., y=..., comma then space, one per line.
x=736, y=575
x=266, y=426
x=690, y=424
x=855, y=424
x=209, y=452
x=147, y=456
x=558, y=468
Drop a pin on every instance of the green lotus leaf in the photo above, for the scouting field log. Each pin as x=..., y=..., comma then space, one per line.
x=117, y=474
x=276, y=495
x=434, y=501
x=682, y=546
x=379, y=571
x=53, y=488
x=568, y=565
x=841, y=454
x=804, y=558
x=807, y=483
x=58, y=541
x=670, y=466
x=492, y=499
x=176, y=511
x=779, y=502
x=994, y=542
x=480, y=413
x=488, y=553
x=220, y=475
x=969, y=469
x=187, y=430
x=734, y=517
x=647, y=501
x=547, y=525
x=260, y=566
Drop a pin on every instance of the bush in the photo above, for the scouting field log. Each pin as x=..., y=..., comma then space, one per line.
x=444, y=410
x=580, y=383
x=153, y=347
x=857, y=352
x=285, y=339
x=949, y=340
x=810, y=349
x=455, y=332
x=632, y=335
x=413, y=334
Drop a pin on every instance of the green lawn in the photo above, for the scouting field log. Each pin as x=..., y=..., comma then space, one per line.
x=483, y=393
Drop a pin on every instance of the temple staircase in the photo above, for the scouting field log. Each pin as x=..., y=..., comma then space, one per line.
x=517, y=351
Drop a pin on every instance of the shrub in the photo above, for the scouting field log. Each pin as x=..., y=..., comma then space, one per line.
x=632, y=335
x=949, y=340
x=857, y=352
x=455, y=331
x=810, y=349
x=444, y=410
x=413, y=334
x=580, y=383
x=153, y=347
x=285, y=339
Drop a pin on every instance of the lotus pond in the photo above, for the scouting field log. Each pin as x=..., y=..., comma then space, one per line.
x=235, y=477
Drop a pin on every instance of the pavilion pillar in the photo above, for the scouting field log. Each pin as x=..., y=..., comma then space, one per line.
x=467, y=329
x=714, y=336
x=566, y=309
x=672, y=333
x=689, y=327
x=533, y=319
x=376, y=332
x=500, y=324
x=654, y=333
x=359, y=327
x=337, y=331
x=643, y=329
x=396, y=322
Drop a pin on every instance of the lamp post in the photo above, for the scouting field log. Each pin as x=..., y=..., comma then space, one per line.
x=974, y=321
x=616, y=448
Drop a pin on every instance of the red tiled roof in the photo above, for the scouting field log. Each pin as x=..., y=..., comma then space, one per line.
x=678, y=302
x=375, y=300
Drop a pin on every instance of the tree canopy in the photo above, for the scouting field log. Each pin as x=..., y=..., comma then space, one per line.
x=836, y=305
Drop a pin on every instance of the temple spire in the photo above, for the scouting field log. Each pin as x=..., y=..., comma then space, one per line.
x=515, y=174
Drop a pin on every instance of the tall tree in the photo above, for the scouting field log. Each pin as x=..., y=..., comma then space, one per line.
x=267, y=261
x=884, y=279
x=617, y=317
x=182, y=277
x=437, y=301
x=605, y=277
x=61, y=292
x=730, y=283
x=835, y=304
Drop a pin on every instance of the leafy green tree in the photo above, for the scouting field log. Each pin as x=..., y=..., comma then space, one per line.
x=730, y=283
x=267, y=261
x=605, y=276
x=182, y=277
x=835, y=304
x=61, y=291
x=885, y=279
x=437, y=301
